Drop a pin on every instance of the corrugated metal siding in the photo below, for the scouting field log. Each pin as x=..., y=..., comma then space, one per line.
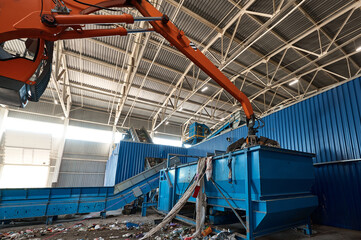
x=197, y=152
x=329, y=125
x=86, y=148
x=82, y=167
x=82, y=180
x=83, y=164
x=131, y=157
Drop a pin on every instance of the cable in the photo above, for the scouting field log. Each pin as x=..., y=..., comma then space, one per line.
x=42, y=6
x=105, y=24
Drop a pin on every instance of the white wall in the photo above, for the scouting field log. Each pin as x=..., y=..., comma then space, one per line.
x=28, y=152
x=26, y=160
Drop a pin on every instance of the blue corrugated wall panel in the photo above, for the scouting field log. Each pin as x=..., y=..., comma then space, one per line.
x=130, y=159
x=328, y=125
x=197, y=152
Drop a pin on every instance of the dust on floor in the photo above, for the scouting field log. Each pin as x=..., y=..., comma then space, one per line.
x=134, y=227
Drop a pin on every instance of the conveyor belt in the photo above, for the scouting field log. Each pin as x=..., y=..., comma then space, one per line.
x=39, y=202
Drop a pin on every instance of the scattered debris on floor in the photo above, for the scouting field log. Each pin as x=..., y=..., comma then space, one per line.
x=112, y=229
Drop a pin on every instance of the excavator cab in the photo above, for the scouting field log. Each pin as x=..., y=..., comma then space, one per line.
x=25, y=70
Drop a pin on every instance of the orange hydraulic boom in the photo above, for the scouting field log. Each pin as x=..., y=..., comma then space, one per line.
x=38, y=23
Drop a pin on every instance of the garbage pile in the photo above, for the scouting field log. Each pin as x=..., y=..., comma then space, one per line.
x=79, y=229
x=176, y=231
x=114, y=230
x=35, y=233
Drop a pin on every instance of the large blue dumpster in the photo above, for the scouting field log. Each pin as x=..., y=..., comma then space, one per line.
x=272, y=186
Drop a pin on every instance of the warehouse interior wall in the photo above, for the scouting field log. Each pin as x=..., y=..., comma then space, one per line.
x=85, y=153
x=29, y=151
x=328, y=125
x=26, y=160
x=83, y=164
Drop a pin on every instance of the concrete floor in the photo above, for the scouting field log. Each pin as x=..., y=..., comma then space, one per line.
x=320, y=233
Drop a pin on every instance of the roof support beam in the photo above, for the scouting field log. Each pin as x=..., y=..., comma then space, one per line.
x=184, y=114
x=236, y=40
x=131, y=98
x=331, y=18
x=287, y=78
x=328, y=36
x=259, y=14
x=109, y=65
x=210, y=43
x=248, y=44
x=207, y=102
x=287, y=86
x=61, y=72
x=310, y=94
x=298, y=50
x=133, y=63
x=174, y=51
x=66, y=91
x=138, y=75
x=252, y=40
x=65, y=101
x=325, y=70
x=225, y=34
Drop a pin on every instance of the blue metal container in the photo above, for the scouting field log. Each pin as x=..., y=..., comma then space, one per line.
x=197, y=132
x=328, y=125
x=272, y=185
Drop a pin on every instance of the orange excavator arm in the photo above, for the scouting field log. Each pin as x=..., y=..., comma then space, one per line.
x=43, y=21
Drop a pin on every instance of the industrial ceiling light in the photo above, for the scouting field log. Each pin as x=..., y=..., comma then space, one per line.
x=358, y=49
x=293, y=82
x=55, y=101
x=166, y=123
x=204, y=89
